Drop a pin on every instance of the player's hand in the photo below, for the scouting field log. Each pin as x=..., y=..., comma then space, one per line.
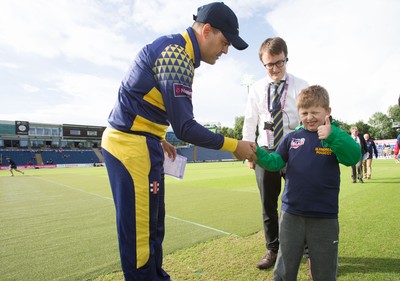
x=246, y=150
x=169, y=149
x=325, y=130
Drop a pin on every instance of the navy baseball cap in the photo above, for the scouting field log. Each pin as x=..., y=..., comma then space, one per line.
x=220, y=16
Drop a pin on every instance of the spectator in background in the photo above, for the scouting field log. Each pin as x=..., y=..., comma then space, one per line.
x=13, y=166
x=398, y=136
x=396, y=152
x=397, y=147
x=367, y=163
x=356, y=170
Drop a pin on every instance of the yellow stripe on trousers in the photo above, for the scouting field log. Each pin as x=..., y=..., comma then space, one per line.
x=133, y=153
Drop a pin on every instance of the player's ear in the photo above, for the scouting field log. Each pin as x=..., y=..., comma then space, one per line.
x=206, y=30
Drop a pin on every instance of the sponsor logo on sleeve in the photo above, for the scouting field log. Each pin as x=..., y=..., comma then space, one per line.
x=182, y=91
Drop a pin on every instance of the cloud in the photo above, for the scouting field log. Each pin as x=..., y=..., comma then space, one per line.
x=72, y=54
x=30, y=88
x=64, y=28
x=86, y=96
x=170, y=16
x=9, y=65
x=99, y=46
x=218, y=92
x=349, y=47
x=22, y=23
x=75, y=98
x=165, y=16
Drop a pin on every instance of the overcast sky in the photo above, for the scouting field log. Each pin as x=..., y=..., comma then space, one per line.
x=61, y=61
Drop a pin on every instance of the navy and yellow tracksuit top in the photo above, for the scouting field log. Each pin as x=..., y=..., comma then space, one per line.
x=157, y=92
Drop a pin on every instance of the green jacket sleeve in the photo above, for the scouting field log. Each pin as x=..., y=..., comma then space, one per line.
x=269, y=161
x=347, y=151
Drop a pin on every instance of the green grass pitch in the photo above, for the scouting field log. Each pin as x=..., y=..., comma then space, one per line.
x=59, y=224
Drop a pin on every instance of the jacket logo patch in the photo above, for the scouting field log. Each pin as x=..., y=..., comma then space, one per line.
x=323, y=150
x=182, y=91
x=296, y=143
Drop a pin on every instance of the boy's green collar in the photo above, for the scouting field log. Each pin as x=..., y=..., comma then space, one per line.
x=302, y=126
x=299, y=127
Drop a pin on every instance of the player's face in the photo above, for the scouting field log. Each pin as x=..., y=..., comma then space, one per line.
x=276, y=73
x=313, y=117
x=216, y=45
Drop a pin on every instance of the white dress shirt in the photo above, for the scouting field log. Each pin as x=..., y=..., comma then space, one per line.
x=257, y=112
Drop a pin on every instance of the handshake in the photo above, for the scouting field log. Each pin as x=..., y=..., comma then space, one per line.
x=246, y=150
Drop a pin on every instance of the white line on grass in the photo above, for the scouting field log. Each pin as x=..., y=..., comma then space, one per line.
x=109, y=198
x=74, y=188
x=204, y=226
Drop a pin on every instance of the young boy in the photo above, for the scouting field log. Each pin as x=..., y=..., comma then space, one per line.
x=309, y=212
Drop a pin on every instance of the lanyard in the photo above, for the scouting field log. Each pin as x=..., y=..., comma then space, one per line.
x=284, y=91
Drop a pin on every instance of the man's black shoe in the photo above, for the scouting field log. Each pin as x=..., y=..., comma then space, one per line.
x=268, y=260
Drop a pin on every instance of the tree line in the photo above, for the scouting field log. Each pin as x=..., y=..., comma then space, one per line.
x=379, y=126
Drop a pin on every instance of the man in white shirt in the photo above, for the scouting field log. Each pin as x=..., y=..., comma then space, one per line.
x=260, y=111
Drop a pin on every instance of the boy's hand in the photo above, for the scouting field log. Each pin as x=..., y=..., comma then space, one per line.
x=251, y=165
x=325, y=130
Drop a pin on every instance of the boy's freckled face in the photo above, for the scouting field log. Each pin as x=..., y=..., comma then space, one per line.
x=313, y=117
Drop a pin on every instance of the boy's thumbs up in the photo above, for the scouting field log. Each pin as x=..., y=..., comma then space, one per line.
x=327, y=120
x=325, y=130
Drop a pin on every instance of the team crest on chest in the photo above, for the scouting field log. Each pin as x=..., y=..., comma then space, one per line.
x=296, y=143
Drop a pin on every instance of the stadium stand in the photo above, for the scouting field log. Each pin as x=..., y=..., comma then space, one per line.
x=205, y=154
x=20, y=157
x=89, y=156
x=57, y=156
x=41, y=144
x=201, y=154
x=69, y=156
x=187, y=152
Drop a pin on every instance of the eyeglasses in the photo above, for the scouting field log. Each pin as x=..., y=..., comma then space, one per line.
x=279, y=64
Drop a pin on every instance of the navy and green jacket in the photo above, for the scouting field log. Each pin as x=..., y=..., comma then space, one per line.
x=312, y=177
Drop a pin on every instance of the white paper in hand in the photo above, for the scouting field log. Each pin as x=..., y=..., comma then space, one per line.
x=175, y=168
